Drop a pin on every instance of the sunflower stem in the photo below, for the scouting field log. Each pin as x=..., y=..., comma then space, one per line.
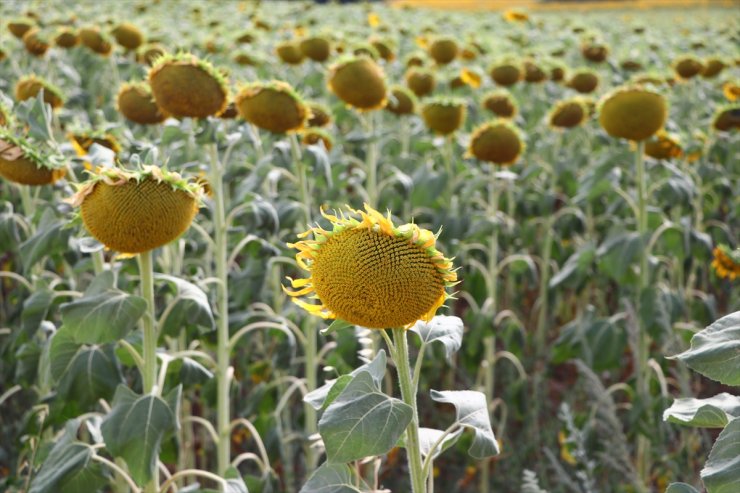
x=447, y=154
x=149, y=376
x=543, y=313
x=29, y=208
x=405, y=136
x=371, y=162
x=223, y=357
x=413, y=451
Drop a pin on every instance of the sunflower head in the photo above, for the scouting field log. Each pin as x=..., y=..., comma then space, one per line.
x=29, y=86
x=359, y=82
x=366, y=50
x=319, y=115
x=501, y=103
x=726, y=263
x=506, y=73
x=136, y=103
x=469, y=52
x=416, y=59
x=368, y=272
x=584, y=81
x=149, y=53
x=137, y=211
x=632, y=112
x=83, y=141
x=21, y=163
x=66, y=37
x=289, y=52
x=314, y=135
x=385, y=49
x=36, y=43
x=95, y=40
x=731, y=90
x=317, y=48
x=568, y=114
x=533, y=73
x=185, y=86
x=443, y=50
x=19, y=26
x=498, y=142
x=402, y=101
x=630, y=65
x=663, y=145
x=421, y=81
x=594, y=52
x=713, y=66
x=128, y=36
x=687, y=66
x=557, y=72
x=272, y=106
x=727, y=118
x=444, y=115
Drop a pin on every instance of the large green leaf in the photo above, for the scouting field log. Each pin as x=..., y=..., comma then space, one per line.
x=714, y=412
x=102, y=318
x=721, y=473
x=472, y=412
x=330, y=478
x=715, y=351
x=444, y=329
x=191, y=306
x=135, y=427
x=362, y=421
x=35, y=309
x=617, y=254
x=577, y=264
x=599, y=342
x=51, y=237
x=324, y=395
x=65, y=460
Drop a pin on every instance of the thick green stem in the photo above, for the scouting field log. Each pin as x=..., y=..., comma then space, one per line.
x=223, y=358
x=98, y=262
x=405, y=381
x=149, y=376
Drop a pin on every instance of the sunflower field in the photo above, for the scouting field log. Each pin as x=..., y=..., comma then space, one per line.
x=277, y=247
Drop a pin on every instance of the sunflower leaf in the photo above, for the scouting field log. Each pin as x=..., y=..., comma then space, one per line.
x=721, y=473
x=444, y=329
x=680, y=488
x=324, y=395
x=102, y=318
x=714, y=412
x=472, y=412
x=330, y=478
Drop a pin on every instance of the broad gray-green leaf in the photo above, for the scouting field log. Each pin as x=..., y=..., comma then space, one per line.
x=715, y=351
x=429, y=436
x=66, y=458
x=35, y=309
x=330, y=478
x=576, y=263
x=103, y=318
x=681, y=488
x=51, y=237
x=318, y=398
x=362, y=421
x=714, y=412
x=721, y=473
x=336, y=325
x=191, y=306
x=102, y=282
x=444, y=329
x=472, y=412
x=134, y=429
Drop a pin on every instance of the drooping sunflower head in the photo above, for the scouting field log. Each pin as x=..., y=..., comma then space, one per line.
x=359, y=82
x=444, y=115
x=506, y=72
x=185, y=86
x=137, y=211
x=568, y=114
x=557, y=72
x=289, y=52
x=533, y=72
x=401, y=101
x=136, y=103
x=128, y=36
x=664, y=145
x=21, y=163
x=367, y=50
x=19, y=26
x=726, y=262
x=385, y=48
x=36, y=42
x=29, y=86
x=368, y=272
x=66, y=37
x=687, y=66
x=317, y=48
x=727, y=118
x=314, y=135
x=498, y=142
x=501, y=103
x=273, y=106
x=633, y=112
x=630, y=65
x=421, y=81
x=713, y=66
x=83, y=141
x=443, y=50
x=594, y=52
x=319, y=115
x=416, y=59
x=149, y=53
x=584, y=81
x=731, y=90
x=95, y=40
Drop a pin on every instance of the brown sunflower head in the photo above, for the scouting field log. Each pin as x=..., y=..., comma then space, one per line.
x=314, y=135
x=272, y=106
x=713, y=66
x=19, y=26
x=630, y=65
x=95, y=40
x=443, y=50
x=444, y=115
x=498, y=142
x=385, y=49
x=21, y=163
x=317, y=48
x=595, y=52
x=401, y=101
x=632, y=112
x=416, y=59
x=36, y=43
x=663, y=145
x=29, y=86
x=421, y=81
x=82, y=141
x=184, y=86
x=149, y=53
x=66, y=37
x=584, y=81
x=136, y=103
x=557, y=72
x=359, y=82
x=506, y=73
x=320, y=115
x=568, y=114
x=727, y=118
x=289, y=52
x=136, y=211
x=533, y=72
x=687, y=66
x=501, y=103
x=128, y=36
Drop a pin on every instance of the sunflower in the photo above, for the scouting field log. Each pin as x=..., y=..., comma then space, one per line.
x=148, y=53
x=584, y=81
x=95, y=40
x=506, y=73
x=136, y=103
x=319, y=115
x=443, y=50
x=731, y=90
x=137, y=211
x=29, y=86
x=314, y=135
x=632, y=112
x=444, y=115
x=66, y=37
x=687, y=66
x=369, y=272
x=726, y=263
x=568, y=114
x=317, y=48
x=289, y=52
x=497, y=142
x=595, y=52
x=501, y=103
x=272, y=106
x=727, y=118
x=401, y=101
x=663, y=145
x=713, y=66
x=83, y=141
x=128, y=36
x=36, y=43
x=359, y=82
x=421, y=81
x=20, y=26
x=21, y=163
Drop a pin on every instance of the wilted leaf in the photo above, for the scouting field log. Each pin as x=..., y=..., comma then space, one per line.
x=472, y=412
